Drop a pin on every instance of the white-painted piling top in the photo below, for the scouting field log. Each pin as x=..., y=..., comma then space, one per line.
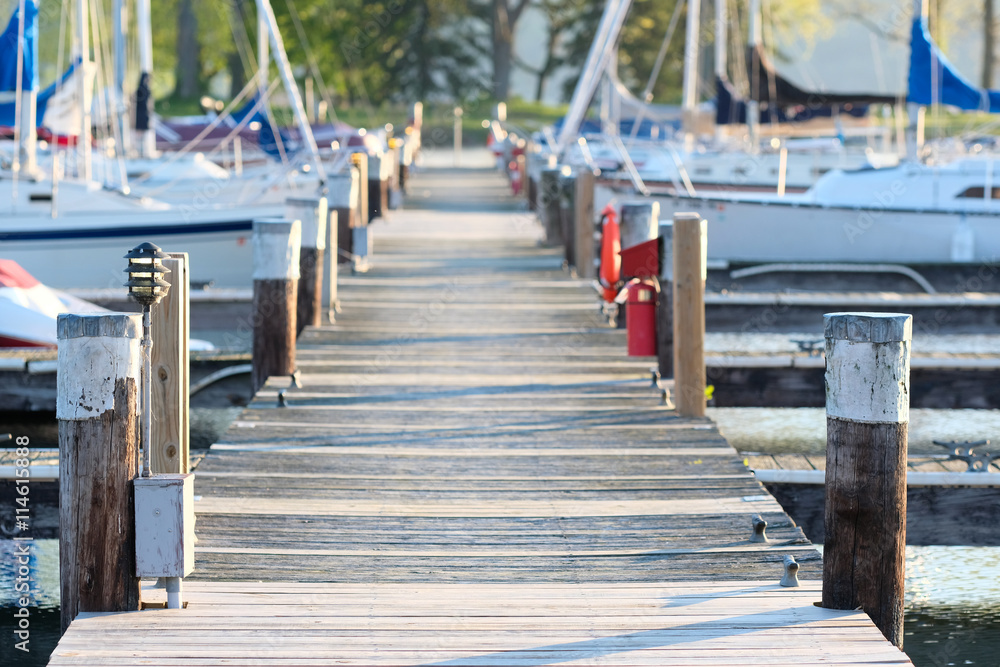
x=276, y=246
x=98, y=325
x=312, y=214
x=95, y=351
x=868, y=327
x=644, y=207
x=342, y=189
x=868, y=367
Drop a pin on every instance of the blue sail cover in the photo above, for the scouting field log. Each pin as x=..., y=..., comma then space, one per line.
x=948, y=87
x=8, y=50
x=265, y=136
x=8, y=110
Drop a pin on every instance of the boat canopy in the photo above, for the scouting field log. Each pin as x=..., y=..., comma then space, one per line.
x=9, y=48
x=767, y=86
x=946, y=85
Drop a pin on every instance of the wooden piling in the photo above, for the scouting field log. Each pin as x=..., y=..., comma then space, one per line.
x=276, y=245
x=170, y=359
x=359, y=240
x=665, y=303
x=97, y=408
x=567, y=214
x=312, y=214
x=343, y=198
x=548, y=206
x=867, y=415
x=331, y=299
x=585, y=244
x=690, y=273
x=640, y=222
x=521, y=165
x=378, y=187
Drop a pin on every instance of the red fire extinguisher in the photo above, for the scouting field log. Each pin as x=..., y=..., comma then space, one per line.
x=641, y=319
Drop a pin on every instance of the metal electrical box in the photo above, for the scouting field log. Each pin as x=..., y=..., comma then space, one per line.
x=164, y=525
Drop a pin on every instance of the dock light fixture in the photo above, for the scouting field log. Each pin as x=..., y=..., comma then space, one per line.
x=146, y=286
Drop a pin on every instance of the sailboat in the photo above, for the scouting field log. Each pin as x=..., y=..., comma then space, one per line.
x=914, y=213
x=661, y=167
x=73, y=232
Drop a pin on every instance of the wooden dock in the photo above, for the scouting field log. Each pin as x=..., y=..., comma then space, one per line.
x=473, y=473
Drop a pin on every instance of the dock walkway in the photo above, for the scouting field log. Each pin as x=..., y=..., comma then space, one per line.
x=473, y=473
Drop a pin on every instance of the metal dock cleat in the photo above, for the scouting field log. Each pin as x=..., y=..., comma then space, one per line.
x=791, y=577
x=964, y=451
x=759, y=526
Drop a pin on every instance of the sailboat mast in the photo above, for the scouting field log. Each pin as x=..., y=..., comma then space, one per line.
x=263, y=56
x=721, y=28
x=918, y=112
x=27, y=90
x=291, y=88
x=84, y=167
x=147, y=135
x=753, y=105
x=595, y=66
x=119, y=27
x=689, y=101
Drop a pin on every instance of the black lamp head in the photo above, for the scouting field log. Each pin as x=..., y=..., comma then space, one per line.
x=145, y=274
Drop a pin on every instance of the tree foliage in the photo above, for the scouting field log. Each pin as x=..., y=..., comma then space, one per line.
x=401, y=50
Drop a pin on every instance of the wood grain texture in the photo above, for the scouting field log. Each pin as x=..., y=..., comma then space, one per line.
x=473, y=472
x=170, y=367
x=865, y=521
x=96, y=508
x=689, y=315
x=274, y=307
x=584, y=244
x=310, y=291
x=665, y=329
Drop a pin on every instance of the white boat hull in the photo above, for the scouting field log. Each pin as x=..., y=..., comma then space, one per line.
x=749, y=231
x=91, y=253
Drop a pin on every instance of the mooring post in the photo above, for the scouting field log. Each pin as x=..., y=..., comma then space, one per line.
x=690, y=273
x=533, y=173
x=521, y=163
x=584, y=244
x=343, y=197
x=867, y=414
x=170, y=330
x=640, y=222
x=548, y=206
x=312, y=214
x=665, y=303
x=378, y=187
x=360, y=240
x=330, y=297
x=97, y=407
x=567, y=214
x=276, y=245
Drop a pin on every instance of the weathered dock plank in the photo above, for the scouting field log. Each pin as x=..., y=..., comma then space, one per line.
x=472, y=473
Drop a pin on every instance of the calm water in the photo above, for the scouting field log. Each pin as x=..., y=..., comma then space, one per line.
x=952, y=610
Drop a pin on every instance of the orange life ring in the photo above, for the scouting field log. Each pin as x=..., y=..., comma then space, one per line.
x=611, y=259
